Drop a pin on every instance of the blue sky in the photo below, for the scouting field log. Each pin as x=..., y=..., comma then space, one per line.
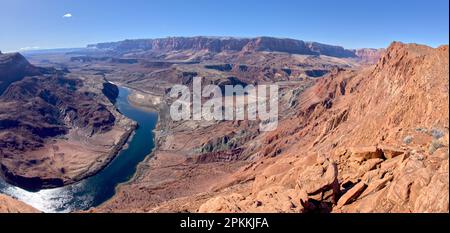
x=350, y=23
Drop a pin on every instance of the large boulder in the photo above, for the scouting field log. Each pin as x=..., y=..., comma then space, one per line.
x=320, y=182
x=351, y=194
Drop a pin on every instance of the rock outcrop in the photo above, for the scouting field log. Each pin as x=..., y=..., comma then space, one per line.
x=14, y=67
x=221, y=44
x=111, y=91
x=11, y=205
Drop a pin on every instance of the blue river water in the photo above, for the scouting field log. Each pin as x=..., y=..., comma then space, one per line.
x=96, y=189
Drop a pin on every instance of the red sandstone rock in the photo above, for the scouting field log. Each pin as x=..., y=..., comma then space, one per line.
x=351, y=194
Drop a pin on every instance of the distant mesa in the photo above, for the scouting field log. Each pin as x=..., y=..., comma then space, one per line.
x=245, y=45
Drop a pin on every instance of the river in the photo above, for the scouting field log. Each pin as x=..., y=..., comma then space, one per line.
x=96, y=189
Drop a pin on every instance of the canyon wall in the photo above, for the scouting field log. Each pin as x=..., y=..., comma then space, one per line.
x=221, y=44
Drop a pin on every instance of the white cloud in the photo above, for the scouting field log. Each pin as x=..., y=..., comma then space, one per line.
x=29, y=48
x=68, y=15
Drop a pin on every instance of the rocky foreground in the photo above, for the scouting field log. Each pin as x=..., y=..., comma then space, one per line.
x=372, y=139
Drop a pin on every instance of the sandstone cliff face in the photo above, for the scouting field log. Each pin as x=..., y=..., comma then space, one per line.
x=374, y=140
x=111, y=91
x=330, y=50
x=221, y=44
x=278, y=45
x=369, y=56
